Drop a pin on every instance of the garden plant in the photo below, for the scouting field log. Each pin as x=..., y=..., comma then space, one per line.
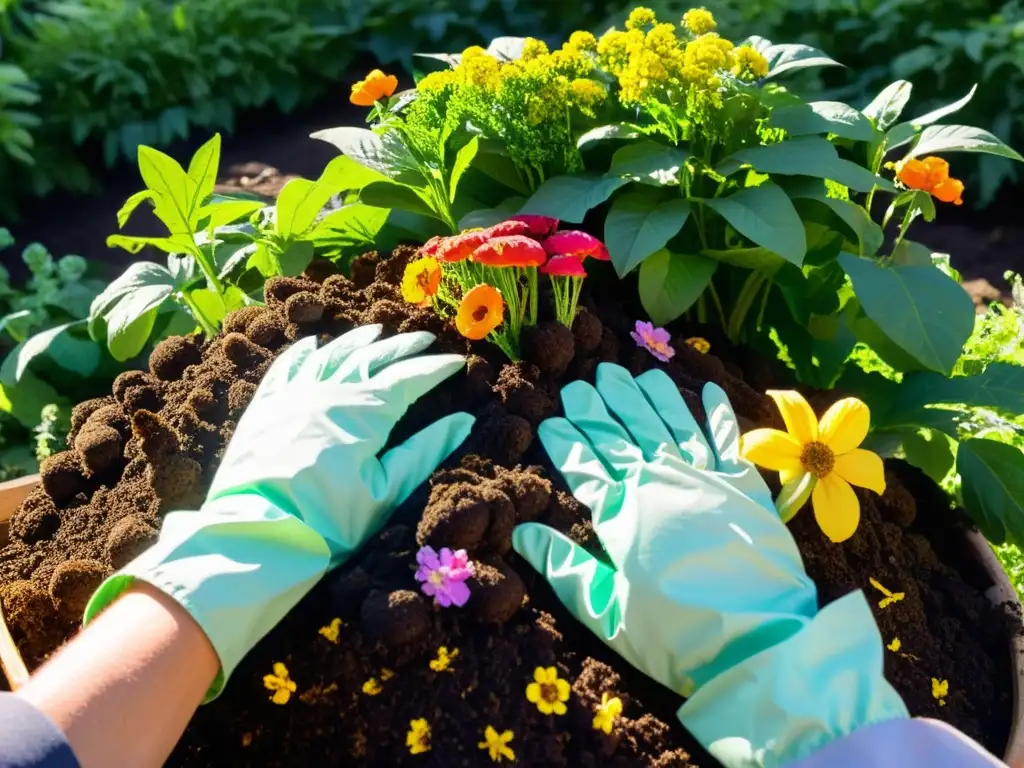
x=651, y=203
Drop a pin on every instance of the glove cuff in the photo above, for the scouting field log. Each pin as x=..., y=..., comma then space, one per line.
x=237, y=567
x=788, y=701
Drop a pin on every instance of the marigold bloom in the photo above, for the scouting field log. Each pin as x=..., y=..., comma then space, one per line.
x=510, y=251
x=418, y=737
x=931, y=175
x=564, y=266
x=481, y=311
x=332, y=630
x=575, y=243
x=819, y=460
x=373, y=88
x=421, y=280
x=444, y=575
x=548, y=691
x=280, y=683
x=540, y=226
x=459, y=247
x=654, y=340
x=607, y=711
x=496, y=744
x=699, y=21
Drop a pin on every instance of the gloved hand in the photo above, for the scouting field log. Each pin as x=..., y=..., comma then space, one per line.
x=704, y=590
x=300, y=487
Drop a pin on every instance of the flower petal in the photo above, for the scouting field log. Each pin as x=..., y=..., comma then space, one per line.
x=533, y=693
x=771, y=449
x=862, y=468
x=559, y=708
x=845, y=425
x=836, y=507
x=800, y=419
x=562, y=686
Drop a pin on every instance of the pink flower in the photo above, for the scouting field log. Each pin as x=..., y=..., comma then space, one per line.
x=539, y=225
x=510, y=251
x=444, y=575
x=510, y=227
x=575, y=243
x=564, y=266
x=654, y=340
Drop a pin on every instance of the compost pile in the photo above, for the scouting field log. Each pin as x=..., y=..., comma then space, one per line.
x=153, y=445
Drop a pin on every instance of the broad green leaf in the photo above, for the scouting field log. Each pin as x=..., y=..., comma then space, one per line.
x=17, y=324
x=463, y=159
x=999, y=386
x=353, y=224
x=789, y=57
x=992, y=477
x=344, y=173
x=671, y=282
x=936, y=139
x=298, y=205
x=131, y=319
x=766, y=216
x=649, y=163
x=638, y=225
x=607, y=133
x=488, y=217
x=222, y=213
x=390, y=158
x=131, y=204
x=929, y=451
x=294, y=259
x=25, y=401
x=499, y=166
x=180, y=243
x=140, y=275
x=202, y=170
x=911, y=254
x=568, y=198
x=173, y=191
x=823, y=117
x=804, y=156
x=760, y=259
x=904, y=132
x=506, y=48
x=387, y=194
x=71, y=353
x=869, y=235
x=211, y=304
x=886, y=108
x=920, y=309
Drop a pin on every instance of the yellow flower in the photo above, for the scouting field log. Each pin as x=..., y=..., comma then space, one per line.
x=279, y=682
x=548, y=691
x=496, y=744
x=587, y=94
x=890, y=597
x=640, y=17
x=418, y=737
x=940, y=689
x=438, y=81
x=607, y=711
x=819, y=460
x=473, y=50
x=582, y=41
x=332, y=630
x=749, y=64
x=444, y=659
x=481, y=71
x=699, y=343
x=533, y=48
x=386, y=673
x=895, y=645
x=699, y=21
x=421, y=280
x=372, y=687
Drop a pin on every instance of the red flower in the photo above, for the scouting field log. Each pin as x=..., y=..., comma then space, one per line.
x=575, y=243
x=511, y=251
x=510, y=227
x=564, y=266
x=430, y=247
x=539, y=225
x=459, y=247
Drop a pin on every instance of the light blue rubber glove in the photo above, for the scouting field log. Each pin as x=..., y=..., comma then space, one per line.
x=300, y=487
x=705, y=591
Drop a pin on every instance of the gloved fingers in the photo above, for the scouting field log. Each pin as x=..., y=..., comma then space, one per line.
x=589, y=589
x=408, y=465
x=664, y=396
x=586, y=475
x=330, y=357
x=723, y=428
x=401, y=384
x=365, y=363
x=586, y=410
x=627, y=402
x=287, y=366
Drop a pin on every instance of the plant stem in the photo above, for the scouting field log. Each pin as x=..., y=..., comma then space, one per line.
x=717, y=302
x=208, y=328
x=702, y=310
x=743, y=304
x=532, y=291
x=208, y=270
x=764, y=303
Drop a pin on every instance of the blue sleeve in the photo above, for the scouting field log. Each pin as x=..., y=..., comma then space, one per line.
x=28, y=739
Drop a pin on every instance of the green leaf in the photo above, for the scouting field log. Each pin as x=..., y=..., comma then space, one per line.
x=506, y=48
x=387, y=194
x=929, y=451
x=823, y=117
x=620, y=131
x=26, y=400
x=638, y=225
x=210, y=304
x=298, y=205
x=789, y=57
x=351, y=225
x=766, y=216
x=141, y=274
x=181, y=243
x=920, y=309
x=992, y=476
x=130, y=321
x=936, y=139
x=568, y=198
x=388, y=157
x=344, y=173
x=649, y=163
x=202, y=170
x=911, y=254
x=867, y=233
x=71, y=353
x=760, y=259
x=488, y=217
x=295, y=258
x=904, y=132
x=671, y=282
x=499, y=166
x=999, y=386
x=131, y=204
x=886, y=108
x=463, y=159
x=173, y=191
x=227, y=212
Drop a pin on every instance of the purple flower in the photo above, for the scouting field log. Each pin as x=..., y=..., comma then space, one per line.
x=654, y=340
x=444, y=575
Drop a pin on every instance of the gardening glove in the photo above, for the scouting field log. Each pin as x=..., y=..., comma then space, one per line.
x=300, y=487
x=703, y=588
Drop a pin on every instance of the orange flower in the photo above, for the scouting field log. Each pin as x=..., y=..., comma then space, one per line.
x=481, y=311
x=931, y=175
x=459, y=247
x=510, y=251
x=375, y=87
x=421, y=280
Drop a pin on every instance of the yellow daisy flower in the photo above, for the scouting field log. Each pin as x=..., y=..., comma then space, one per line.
x=607, y=711
x=548, y=691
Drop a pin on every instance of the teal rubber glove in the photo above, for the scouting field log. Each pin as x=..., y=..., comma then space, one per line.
x=300, y=487
x=705, y=590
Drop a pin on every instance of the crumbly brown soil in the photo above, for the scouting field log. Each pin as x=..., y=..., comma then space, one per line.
x=152, y=447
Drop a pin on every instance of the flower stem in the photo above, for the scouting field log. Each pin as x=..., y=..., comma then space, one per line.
x=743, y=304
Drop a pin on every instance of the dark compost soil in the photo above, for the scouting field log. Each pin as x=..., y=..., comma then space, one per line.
x=153, y=445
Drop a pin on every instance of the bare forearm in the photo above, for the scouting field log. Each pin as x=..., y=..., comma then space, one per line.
x=124, y=690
